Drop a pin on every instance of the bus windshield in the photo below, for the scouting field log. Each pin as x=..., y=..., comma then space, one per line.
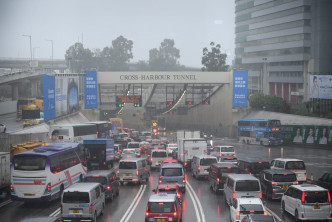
x=274, y=123
x=29, y=162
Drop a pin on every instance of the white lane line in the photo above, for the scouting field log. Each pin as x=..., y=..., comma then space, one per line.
x=131, y=205
x=198, y=202
x=138, y=200
x=274, y=214
x=5, y=203
x=195, y=205
x=55, y=213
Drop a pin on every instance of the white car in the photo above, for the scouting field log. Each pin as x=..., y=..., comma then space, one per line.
x=241, y=207
x=295, y=165
x=171, y=147
x=2, y=128
x=307, y=202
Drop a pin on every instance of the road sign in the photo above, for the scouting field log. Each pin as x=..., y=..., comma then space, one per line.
x=154, y=123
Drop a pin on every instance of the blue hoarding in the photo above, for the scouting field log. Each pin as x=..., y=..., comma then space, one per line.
x=240, y=88
x=49, y=97
x=90, y=90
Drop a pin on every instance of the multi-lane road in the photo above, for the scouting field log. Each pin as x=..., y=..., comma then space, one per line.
x=200, y=203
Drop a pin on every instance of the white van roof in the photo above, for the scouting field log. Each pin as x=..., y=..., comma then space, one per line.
x=242, y=177
x=81, y=187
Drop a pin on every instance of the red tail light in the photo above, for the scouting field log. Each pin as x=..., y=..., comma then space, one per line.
x=250, y=173
x=296, y=182
x=48, y=188
x=108, y=188
x=329, y=197
x=160, y=179
x=11, y=187
x=90, y=209
x=147, y=214
x=220, y=154
x=252, y=211
x=118, y=172
x=179, y=195
x=185, y=163
x=183, y=179
x=137, y=172
x=303, y=197
x=260, y=195
x=174, y=214
x=234, y=195
x=238, y=215
x=265, y=213
x=246, y=169
x=218, y=180
x=273, y=183
x=234, y=154
x=151, y=159
x=199, y=168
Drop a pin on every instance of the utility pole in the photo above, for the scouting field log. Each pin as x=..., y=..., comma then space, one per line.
x=30, y=48
x=52, y=50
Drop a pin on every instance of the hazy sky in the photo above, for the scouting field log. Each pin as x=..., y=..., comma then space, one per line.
x=193, y=24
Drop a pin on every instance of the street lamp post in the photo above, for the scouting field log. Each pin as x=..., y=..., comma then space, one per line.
x=30, y=48
x=52, y=49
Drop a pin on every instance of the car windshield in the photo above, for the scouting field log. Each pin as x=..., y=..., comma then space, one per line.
x=171, y=172
x=127, y=165
x=284, y=177
x=227, y=149
x=161, y=207
x=247, y=185
x=316, y=197
x=207, y=161
x=76, y=197
x=97, y=179
x=250, y=207
x=295, y=165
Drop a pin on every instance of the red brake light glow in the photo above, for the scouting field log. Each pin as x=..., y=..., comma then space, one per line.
x=329, y=197
x=234, y=195
x=303, y=197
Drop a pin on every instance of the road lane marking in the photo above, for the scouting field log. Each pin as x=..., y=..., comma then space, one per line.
x=138, y=200
x=195, y=205
x=131, y=205
x=5, y=203
x=55, y=213
x=198, y=202
x=274, y=214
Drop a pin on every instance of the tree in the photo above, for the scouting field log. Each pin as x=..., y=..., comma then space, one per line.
x=119, y=54
x=214, y=61
x=78, y=58
x=166, y=58
x=142, y=65
x=269, y=103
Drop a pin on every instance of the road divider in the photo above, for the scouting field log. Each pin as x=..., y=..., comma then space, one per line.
x=5, y=203
x=132, y=207
x=199, y=210
x=55, y=213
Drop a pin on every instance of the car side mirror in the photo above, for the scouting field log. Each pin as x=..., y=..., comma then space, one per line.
x=208, y=169
x=154, y=190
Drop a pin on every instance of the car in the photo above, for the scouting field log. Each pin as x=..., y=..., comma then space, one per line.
x=200, y=165
x=259, y=218
x=224, y=159
x=295, y=165
x=325, y=181
x=163, y=207
x=144, y=147
x=252, y=165
x=170, y=189
x=223, y=151
x=170, y=147
x=128, y=153
x=307, y=202
x=107, y=178
x=218, y=173
x=240, y=207
x=135, y=170
x=2, y=128
x=169, y=161
x=118, y=151
x=275, y=182
x=175, y=153
x=173, y=173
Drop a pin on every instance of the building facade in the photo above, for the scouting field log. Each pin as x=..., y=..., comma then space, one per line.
x=282, y=42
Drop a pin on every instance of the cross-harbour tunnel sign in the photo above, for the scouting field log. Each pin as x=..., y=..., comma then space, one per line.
x=163, y=77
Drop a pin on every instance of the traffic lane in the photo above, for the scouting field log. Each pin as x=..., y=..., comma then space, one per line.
x=275, y=206
x=214, y=205
x=317, y=160
x=138, y=214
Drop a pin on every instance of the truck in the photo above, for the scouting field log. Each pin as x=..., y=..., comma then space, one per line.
x=100, y=153
x=4, y=173
x=187, y=148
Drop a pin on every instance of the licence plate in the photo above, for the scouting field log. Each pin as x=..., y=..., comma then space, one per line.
x=127, y=174
x=227, y=154
x=76, y=211
x=316, y=207
x=284, y=186
x=161, y=220
x=171, y=182
x=28, y=194
x=159, y=162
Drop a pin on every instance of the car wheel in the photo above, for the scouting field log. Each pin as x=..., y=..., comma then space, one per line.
x=283, y=207
x=95, y=217
x=121, y=183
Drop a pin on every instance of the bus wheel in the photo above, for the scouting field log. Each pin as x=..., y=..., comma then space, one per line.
x=261, y=143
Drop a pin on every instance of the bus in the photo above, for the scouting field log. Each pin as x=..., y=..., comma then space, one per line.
x=265, y=132
x=117, y=124
x=73, y=133
x=104, y=128
x=43, y=173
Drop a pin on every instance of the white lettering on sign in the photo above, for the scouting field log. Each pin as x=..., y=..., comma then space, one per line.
x=158, y=77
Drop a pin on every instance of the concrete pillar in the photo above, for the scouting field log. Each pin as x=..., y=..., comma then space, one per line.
x=14, y=91
x=34, y=88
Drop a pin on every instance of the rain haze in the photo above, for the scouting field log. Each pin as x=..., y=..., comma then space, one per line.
x=193, y=24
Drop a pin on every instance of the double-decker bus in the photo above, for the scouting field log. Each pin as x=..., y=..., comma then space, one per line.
x=43, y=173
x=260, y=131
x=117, y=124
x=73, y=133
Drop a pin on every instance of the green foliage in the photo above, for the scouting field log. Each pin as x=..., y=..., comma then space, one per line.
x=214, y=61
x=166, y=58
x=78, y=58
x=269, y=103
x=329, y=115
x=304, y=112
x=120, y=54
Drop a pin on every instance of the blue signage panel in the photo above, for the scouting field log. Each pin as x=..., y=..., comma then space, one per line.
x=240, y=88
x=49, y=97
x=90, y=90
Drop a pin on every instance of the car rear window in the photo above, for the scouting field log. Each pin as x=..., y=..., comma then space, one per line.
x=258, y=167
x=284, y=178
x=227, y=149
x=168, y=191
x=101, y=180
x=171, y=172
x=76, y=197
x=208, y=161
x=161, y=207
x=246, y=208
x=159, y=154
x=295, y=165
x=127, y=165
x=247, y=185
x=316, y=197
x=133, y=145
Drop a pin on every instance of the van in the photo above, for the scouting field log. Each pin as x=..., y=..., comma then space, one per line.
x=82, y=201
x=241, y=185
x=218, y=173
x=173, y=173
x=157, y=157
x=252, y=166
x=107, y=178
x=135, y=170
x=295, y=165
x=227, y=151
x=200, y=165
